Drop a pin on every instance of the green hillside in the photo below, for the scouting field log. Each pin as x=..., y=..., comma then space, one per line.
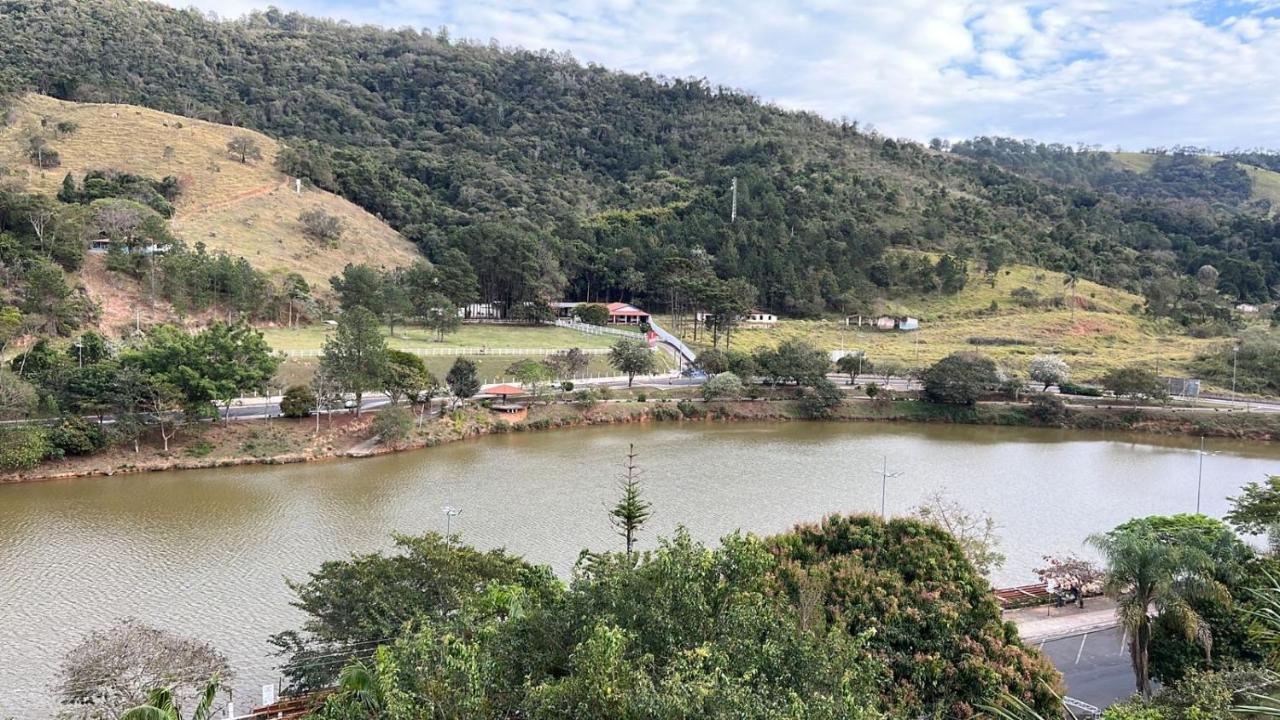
x=558, y=179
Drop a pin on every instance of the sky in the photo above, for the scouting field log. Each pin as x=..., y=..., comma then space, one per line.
x=1112, y=73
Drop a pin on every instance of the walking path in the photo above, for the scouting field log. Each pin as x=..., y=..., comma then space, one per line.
x=1046, y=622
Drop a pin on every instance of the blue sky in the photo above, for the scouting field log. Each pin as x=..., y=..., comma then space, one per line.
x=1130, y=73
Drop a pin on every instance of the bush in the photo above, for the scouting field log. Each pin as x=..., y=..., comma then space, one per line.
x=23, y=448
x=1069, y=388
x=298, y=401
x=322, y=227
x=592, y=314
x=663, y=411
x=1047, y=410
x=393, y=425
x=996, y=341
x=724, y=385
x=76, y=436
x=688, y=409
x=642, y=398
x=567, y=386
x=872, y=390
x=586, y=398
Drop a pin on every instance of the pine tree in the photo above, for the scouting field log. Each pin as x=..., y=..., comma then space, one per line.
x=632, y=510
x=69, y=193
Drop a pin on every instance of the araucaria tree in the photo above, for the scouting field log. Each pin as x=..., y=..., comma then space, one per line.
x=356, y=356
x=632, y=357
x=632, y=510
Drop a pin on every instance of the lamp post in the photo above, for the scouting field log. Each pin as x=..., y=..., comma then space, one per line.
x=1200, y=472
x=450, y=513
x=1235, y=360
x=884, y=485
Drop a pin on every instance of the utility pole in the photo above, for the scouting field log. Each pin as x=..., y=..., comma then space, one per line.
x=885, y=475
x=733, y=209
x=1235, y=359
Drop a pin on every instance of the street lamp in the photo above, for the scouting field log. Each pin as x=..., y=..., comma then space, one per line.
x=1200, y=472
x=1235, y=359
x=884, y=485
x=450, y=513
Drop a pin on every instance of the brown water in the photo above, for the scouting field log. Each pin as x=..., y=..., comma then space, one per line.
x=206, y=552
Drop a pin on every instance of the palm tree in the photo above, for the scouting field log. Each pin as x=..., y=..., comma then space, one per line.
x=1071, y=280
x=1146, y=572
x=162, y=705
x=359, y=682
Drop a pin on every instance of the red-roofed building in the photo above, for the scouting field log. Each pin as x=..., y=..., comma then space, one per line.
x=621, y=313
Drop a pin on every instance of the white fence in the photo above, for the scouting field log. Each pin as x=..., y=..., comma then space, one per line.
x=598, y=329
x=452, y=351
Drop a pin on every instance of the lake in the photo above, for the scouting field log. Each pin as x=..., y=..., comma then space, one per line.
x=206, y=552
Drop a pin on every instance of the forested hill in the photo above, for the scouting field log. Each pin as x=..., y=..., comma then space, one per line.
x=1246, y=181
x=558, y=179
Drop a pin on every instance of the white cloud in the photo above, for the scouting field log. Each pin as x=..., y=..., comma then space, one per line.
x=1132, y=72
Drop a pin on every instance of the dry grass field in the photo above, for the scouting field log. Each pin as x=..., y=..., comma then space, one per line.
x=247, y=209
x=1103, y=333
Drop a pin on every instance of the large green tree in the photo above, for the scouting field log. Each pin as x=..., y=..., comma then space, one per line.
x=632, y=358
x=355, y=356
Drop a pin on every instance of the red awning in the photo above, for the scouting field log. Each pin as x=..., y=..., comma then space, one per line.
x=504, y=390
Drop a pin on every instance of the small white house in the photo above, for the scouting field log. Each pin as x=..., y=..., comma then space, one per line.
x=908, y=323
x=1247, y=308
x=760, y=317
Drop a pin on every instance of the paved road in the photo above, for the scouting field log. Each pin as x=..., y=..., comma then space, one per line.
x=1095, y=666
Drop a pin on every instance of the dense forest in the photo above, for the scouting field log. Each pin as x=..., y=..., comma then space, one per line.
x=555, y=178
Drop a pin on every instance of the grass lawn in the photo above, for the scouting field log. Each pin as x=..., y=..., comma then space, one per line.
x=298, y=371
x=1104, y=332
x=312, y=337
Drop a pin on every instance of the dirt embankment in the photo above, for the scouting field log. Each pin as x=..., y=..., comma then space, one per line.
x=282, y=441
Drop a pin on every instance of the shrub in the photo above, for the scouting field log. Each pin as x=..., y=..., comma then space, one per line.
x=592, y=314
x=76, y=436
x=586, y=398
x=724, y=385
x=1069, y=388
x=642, y=398
x=298, y=401
x=688, y=409
x=393, y=425
x=663, y=411
x=872, y=390
x=1047, y=410
x=23, y=448
x=567, y=386
x=320, y=226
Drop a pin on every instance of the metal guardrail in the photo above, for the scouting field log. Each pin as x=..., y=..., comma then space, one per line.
x=1092, y=711
x=452, y=351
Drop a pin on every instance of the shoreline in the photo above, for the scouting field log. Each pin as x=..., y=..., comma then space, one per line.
x=350, y=439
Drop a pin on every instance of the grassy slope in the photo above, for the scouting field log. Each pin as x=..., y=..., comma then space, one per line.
x=248, y=210
x=1106, y=335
